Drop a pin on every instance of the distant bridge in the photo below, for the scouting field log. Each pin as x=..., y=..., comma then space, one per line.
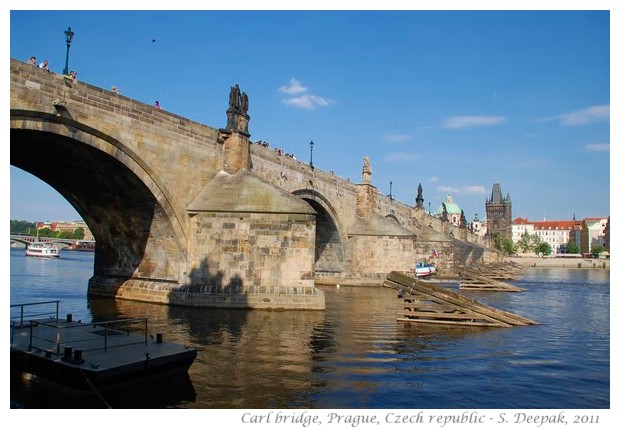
x=184, y=213
x=27, y=239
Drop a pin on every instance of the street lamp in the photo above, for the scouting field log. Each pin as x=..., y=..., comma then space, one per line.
x=390, y=190
x=311, y=147
x=69, y=35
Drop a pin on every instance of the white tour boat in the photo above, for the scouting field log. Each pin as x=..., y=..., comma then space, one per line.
x=44, y=250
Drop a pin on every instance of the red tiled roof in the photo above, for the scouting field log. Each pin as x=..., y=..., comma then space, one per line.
x=556, y=224
x=548, y=224
x=520, y=220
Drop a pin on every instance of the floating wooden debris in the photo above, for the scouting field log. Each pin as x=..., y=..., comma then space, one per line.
x=476, y=279
x=424, y=302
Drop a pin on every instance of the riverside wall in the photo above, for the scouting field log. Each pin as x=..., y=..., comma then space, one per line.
x=549, y=262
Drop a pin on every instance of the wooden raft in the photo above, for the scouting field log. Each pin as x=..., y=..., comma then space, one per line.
x=424, y=302
x=485, y=280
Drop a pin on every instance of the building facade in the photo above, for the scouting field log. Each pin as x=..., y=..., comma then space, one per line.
x=478, y=226
x=557, y=233
x=607, y=236
x=67, y=226
x=593, y=233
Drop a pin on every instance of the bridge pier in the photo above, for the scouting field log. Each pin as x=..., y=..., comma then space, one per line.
x=210, y=295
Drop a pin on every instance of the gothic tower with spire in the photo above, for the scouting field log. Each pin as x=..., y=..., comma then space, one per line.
x=499, y=213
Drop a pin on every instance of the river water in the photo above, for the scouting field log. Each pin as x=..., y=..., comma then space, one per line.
x=353, y=355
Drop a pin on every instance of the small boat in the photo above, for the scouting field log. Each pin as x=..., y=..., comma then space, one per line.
x=424, y=270
x=43, y=250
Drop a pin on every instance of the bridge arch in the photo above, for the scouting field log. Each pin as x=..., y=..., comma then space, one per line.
x=330, y=253
x=137, y=229
x=393, y=218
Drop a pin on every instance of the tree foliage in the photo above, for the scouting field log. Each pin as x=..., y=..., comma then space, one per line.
x=509, y=246
x=22, y=227
x=30, y=228
x=504, y=244
x=543, y=248
x=526, y=243
x=572, y=248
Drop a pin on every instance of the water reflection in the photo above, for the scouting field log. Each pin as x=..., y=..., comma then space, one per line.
x=356, y=355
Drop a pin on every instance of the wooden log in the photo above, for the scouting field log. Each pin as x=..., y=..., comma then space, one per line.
x=429, y=303
x=473, y=279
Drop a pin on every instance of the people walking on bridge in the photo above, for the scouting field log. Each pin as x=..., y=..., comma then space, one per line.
x=157, y=106
x=73, y=74
x=44, y=65
x=33, y=61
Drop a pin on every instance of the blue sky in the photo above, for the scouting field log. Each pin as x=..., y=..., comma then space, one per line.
x=456, y=100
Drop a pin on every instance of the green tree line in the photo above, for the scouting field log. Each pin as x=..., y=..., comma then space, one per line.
x=30, y=228
x=529, y=243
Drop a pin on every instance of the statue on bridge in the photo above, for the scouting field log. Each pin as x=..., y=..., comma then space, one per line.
x=444, y=212
x=237, y=112
x=419, y=201
x=234, y=98
x=366, y=172
x=245, y=103
x=239, y=102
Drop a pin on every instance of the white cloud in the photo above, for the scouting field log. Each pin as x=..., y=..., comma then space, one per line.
x=401, y=157
x=294, y=87
x=600, y=147
x=583, y=116
x=463, y=190
x=397, y=138
x=458, y=122
x=433, y=179
x=306, y=100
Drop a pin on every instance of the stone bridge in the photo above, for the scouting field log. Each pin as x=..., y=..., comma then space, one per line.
x=185, y=213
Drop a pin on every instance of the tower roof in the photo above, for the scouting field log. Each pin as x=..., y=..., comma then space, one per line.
x=496, y=194
x=451, y=206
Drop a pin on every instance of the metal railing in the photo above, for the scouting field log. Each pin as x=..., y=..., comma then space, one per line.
x=26, y=315
x=31, y=316
x=112, y=329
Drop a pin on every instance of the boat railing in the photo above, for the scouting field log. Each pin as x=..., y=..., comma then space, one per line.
x=21, y=314
x=114, y=333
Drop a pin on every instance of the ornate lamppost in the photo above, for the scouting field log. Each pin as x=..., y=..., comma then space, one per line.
x=311, y=147
x=391, y=197
x=69, y=34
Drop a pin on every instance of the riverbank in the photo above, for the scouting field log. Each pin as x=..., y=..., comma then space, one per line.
x=560, y=262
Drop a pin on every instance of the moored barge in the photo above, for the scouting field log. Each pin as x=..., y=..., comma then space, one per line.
x=88, y=358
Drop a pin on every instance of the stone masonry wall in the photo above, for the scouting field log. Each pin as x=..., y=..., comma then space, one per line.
x=254, y=249
x=372, y=258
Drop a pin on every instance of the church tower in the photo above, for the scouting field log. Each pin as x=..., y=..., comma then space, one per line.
x=499, y=213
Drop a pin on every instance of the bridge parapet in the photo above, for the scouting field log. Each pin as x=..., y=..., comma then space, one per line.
x=172, y=206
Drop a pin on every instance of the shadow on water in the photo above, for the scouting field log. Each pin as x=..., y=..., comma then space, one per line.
x=167, y=392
